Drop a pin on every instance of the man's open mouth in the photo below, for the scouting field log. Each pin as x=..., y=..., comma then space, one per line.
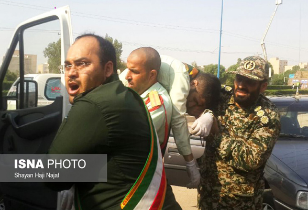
x=73, y=88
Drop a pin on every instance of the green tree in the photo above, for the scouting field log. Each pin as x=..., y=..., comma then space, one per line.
x=10, y=76
x=227, y=78
x=239, y=60
x=277, y=79
x=53, y=53
x=9, y=79
x=118, y=48
x=295, y=68
x=291, y=71
x=213, y=68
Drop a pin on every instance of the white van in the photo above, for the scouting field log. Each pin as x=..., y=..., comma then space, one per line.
x=49, y=87
x=31, y=127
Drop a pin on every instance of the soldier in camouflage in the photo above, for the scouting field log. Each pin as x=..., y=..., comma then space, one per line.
x=234, y=158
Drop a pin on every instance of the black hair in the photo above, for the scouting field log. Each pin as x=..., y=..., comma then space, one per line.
x=106, y=50
x=210, y=88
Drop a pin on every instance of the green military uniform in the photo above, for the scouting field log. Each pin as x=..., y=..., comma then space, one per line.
x=110, y=119
x=233, y=161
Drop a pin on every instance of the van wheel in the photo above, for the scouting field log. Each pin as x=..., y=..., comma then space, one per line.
x=268, y=200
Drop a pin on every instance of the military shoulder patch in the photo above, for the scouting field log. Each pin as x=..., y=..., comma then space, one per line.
x=228, y=88
x=262, y=115
x=154, y=98
x=264, y=120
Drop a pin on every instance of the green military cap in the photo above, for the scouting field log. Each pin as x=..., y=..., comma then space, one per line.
x=253, y=67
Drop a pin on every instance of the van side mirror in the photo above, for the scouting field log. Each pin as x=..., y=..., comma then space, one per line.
x=29, y=97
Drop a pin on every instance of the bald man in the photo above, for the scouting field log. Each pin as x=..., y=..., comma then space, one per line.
x=143, y=66
x=175, y=77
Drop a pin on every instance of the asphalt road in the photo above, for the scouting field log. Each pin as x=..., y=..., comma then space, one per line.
x=187, y=198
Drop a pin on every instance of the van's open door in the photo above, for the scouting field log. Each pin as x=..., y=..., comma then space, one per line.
x=29, y=128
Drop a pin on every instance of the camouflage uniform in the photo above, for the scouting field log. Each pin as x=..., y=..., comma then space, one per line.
x=233, y=162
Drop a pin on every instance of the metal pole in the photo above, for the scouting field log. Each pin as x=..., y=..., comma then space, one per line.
x=278, y=2
x=222, y=6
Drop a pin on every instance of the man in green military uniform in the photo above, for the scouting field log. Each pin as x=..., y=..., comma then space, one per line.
x=108, y=118
x=234, y=158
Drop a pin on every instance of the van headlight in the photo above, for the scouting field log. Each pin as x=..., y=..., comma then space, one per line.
x=302, y=199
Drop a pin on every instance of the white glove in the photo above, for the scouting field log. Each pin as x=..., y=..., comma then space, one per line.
x=202, y=126
x=67, y=199
x=193, y=174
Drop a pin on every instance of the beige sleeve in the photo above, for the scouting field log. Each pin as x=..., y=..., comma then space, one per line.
x=174, y=77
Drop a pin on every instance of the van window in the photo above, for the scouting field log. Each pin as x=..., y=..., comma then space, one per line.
x=12, y=91
x=53, y=88
x=41, y=56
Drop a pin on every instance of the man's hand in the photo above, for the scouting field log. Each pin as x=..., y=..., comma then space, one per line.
x=202, y=126
x=193, y=174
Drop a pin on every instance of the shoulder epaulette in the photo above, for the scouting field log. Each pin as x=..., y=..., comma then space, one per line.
x=154, y=99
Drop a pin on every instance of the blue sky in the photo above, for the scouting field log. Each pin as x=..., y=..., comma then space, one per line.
x=187, y=30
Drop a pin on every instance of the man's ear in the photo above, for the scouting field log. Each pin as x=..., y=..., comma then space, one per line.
x=193, y=84
x=108, y=69
x=263, y=87
x=153, y=74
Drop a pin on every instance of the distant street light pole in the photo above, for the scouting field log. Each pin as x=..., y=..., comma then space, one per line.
x=222, y=7
x=278, y=2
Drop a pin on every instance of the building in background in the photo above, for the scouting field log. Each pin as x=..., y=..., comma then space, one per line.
x=303, y=66
x=43, y=68
x=299, y=79
x=278, y=65
x=30, y=63
x=286, y=68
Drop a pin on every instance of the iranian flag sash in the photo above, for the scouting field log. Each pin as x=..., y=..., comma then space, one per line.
x=148, y=192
